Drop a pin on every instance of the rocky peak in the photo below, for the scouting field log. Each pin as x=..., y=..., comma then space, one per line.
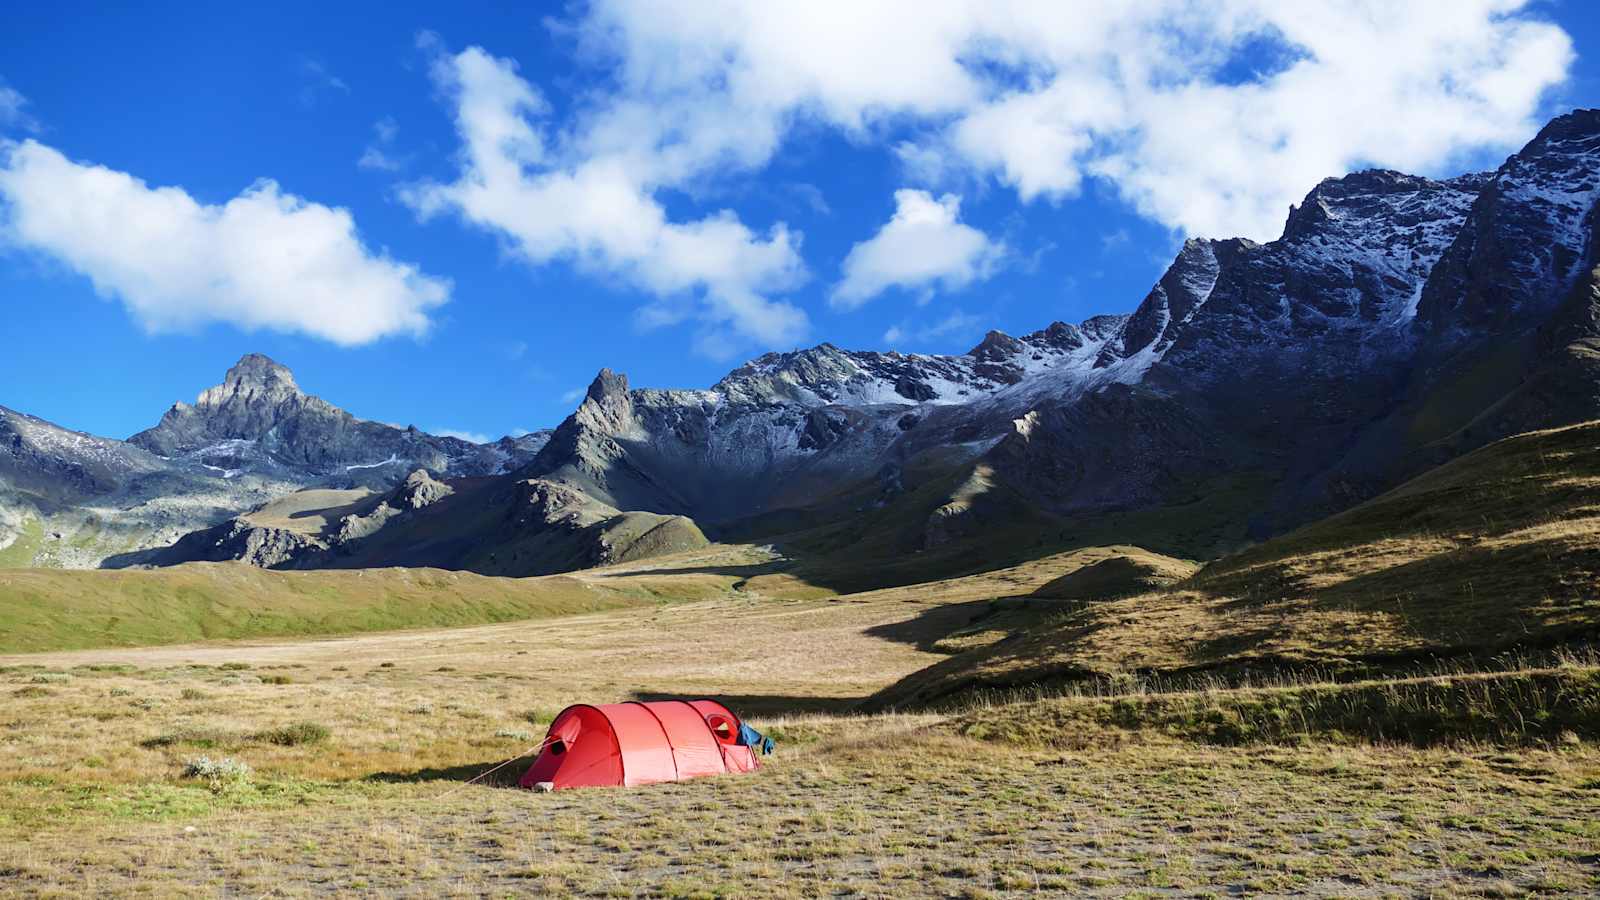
x=1327, y=203
x=608, y=405
x=805, y=377
x=996, y=346
x=419, y=490
x=259, y=418
x=1527, y=238
x=608, y=386
x=1061, y=336
x=255, y=381
x=1182, y=290
x=1098, y=328
x=1576, y=130
x=256, y=371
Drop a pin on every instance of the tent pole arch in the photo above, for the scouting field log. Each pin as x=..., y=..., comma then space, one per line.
x=622, y=758
x=665, y=734
x=703, y=720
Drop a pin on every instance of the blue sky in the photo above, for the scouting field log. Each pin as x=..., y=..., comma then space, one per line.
x=865, y=178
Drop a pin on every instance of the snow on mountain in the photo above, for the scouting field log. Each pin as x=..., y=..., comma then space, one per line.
x=1274, y=359
x=1311, y=334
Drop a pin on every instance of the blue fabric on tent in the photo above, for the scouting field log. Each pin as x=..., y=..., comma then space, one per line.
x=749, y=737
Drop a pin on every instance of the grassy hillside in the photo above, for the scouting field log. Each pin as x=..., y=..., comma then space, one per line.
x=1514, y=707
x=959, y=520
x=58, y=610
x=1498, y=548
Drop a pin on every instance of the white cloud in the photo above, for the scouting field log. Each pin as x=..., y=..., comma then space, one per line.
x=594, y=204
x=1041, y=95
x=379, y=154
x=12, y=112
x=471, y=437
x=912, y=334
x=921, y=247
x=810, y=195
x=263, y=260
x=1210, y=118
x=373, y=157
x=573, y=396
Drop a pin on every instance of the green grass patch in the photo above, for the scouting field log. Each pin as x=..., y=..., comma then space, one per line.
x=207, y=738
x=22, y=551
x=42, y=610
x=294, y=735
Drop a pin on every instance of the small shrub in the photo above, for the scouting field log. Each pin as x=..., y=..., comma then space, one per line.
x=121, y=692
x=32, y=690
x=385, y=665
x=421, y=709
x=50, y=678
x=512, y=734
x=194, y=694
x=276, y=679
x=294, y=735
x=207, y=738
x=539, y=716
x=220, y=774
x=234, y=666
x=147, y=702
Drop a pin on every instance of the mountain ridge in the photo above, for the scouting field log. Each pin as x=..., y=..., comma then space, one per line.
x=1398, y=321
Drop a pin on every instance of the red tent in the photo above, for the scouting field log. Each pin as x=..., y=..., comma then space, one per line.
x=639, y=743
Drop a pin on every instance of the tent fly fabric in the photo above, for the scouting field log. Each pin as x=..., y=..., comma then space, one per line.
x=626, y=744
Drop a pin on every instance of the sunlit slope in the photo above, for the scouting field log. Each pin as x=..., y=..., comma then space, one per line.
x=44, y=609
x=1496, y=549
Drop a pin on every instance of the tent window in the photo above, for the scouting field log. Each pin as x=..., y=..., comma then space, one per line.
x=722, y=728
x=558, y=747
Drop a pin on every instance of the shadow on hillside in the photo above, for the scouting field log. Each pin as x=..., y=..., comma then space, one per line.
x=747, y=571
x=750, y=705
x=506, y=777
x=935, y=623
x=147, y=557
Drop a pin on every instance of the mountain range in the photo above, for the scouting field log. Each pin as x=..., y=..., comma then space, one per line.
x=1399, y=322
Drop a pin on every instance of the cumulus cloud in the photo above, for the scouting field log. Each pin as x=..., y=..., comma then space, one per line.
x=923, y=246
x=590, y=199
x=263, y=260
x=1208, y=117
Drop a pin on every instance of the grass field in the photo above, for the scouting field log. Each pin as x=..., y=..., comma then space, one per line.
x=358, y=748
x=1388, y=732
